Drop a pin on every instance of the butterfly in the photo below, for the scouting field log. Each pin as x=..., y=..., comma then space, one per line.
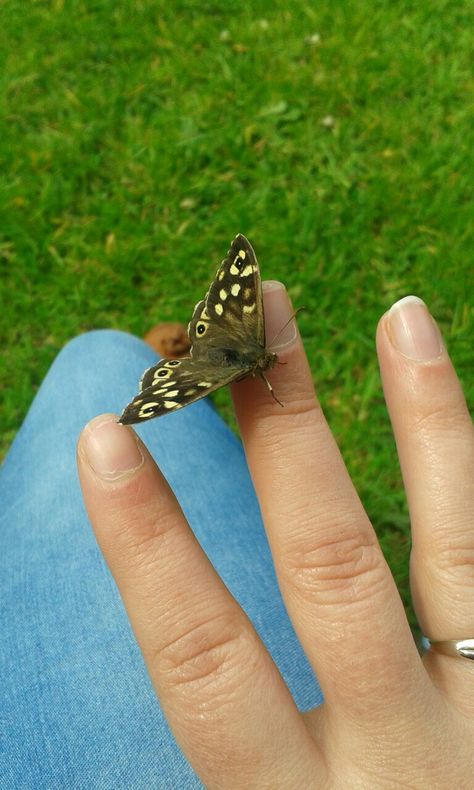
x=227, y=334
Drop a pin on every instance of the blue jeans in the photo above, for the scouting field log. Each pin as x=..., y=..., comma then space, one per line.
x=77, y=709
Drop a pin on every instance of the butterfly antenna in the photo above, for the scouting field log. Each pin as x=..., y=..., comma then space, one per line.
x=298, y=310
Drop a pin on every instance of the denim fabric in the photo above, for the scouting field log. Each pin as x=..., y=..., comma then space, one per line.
x=76, y=708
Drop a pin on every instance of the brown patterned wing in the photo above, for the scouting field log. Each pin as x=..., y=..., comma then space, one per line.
x=231, y=314
x=174, y=383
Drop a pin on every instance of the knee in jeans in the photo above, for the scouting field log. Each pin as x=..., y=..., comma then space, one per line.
x=95, y=344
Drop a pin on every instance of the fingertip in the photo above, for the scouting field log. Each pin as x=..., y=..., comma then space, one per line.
x=280, y=323
x=381, y=336
x=411, y=331
x=99, y=420
x=111, y=450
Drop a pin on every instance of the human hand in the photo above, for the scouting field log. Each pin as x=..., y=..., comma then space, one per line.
x=390, y=719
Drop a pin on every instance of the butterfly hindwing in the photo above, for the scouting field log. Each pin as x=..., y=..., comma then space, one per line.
x=172, y=384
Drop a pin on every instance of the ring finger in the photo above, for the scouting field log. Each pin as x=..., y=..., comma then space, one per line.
x=435, y=441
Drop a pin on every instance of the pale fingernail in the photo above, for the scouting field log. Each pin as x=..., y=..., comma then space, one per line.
x=278, y=312
x=413, y=331
x=111, y=449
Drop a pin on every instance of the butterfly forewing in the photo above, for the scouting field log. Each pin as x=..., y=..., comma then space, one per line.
x=233, y=305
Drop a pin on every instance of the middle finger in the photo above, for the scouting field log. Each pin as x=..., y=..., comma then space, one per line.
x=338, y=590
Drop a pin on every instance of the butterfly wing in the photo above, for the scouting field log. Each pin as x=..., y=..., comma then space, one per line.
x=172, y=384
x=231, y=314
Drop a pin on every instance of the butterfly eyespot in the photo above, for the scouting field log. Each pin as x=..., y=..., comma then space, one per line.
x=147, y=410
x=240, y=268
x=238, y=263
x=172, y=363
x=201, y=327
x=162, y=373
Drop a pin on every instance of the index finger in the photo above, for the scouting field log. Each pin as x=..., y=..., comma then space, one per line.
x=218, y=686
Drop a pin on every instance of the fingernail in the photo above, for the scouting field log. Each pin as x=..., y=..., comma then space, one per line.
x=111, y=449
x=278, y=312
x=413, y=331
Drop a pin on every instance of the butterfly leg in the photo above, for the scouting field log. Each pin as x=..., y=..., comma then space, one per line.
x=270, y=388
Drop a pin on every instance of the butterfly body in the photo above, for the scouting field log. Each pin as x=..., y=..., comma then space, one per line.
x=227, y=332
x=247, y=362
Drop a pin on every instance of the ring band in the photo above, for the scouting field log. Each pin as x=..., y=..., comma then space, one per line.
x=459, y=648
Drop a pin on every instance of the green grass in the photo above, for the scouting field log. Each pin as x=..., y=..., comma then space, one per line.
x=137, y=138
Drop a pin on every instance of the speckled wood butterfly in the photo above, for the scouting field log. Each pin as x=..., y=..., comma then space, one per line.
x=227, y=333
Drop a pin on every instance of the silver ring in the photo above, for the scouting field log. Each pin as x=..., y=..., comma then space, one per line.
x=459, y=648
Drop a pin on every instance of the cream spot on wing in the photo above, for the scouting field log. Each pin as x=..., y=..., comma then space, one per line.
x=249, y=308
x=221, y=275
x=219, y=309
x=204, y=384
x=205, y=314
x=170, y=404
x=245, y=272
x=190, y=392
x=172, y=394
x=247, y=293
x=223, y=294
x=235, y=289
x=165, y=385
x=145, y=410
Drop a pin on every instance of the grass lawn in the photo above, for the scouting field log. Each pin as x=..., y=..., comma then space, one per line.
x=138, y=138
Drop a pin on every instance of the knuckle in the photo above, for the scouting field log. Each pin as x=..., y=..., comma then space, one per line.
x=295, y=433
x=455, y=558
x=439, y=415
x=335, y=568
x=302, y=410
x=214, y=648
